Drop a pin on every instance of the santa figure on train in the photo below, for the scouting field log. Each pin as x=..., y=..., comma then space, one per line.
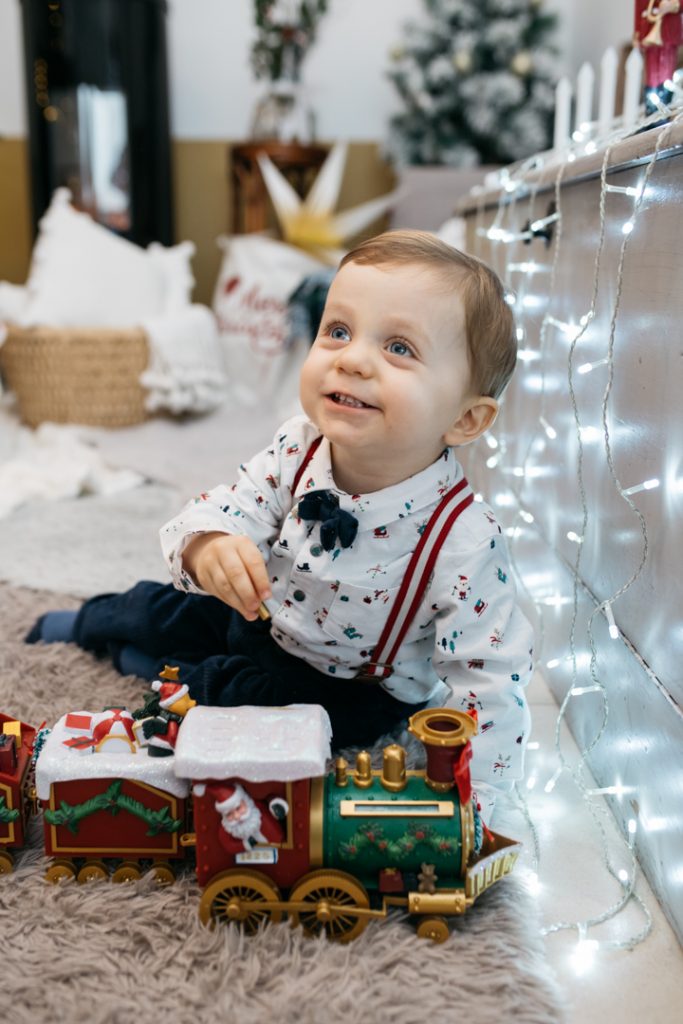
x=245, y=822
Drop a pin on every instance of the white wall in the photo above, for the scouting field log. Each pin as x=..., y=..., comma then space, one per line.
x=12, y=102
x=212, y=92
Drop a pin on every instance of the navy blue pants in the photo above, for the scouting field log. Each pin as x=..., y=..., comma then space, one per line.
x=228, y=661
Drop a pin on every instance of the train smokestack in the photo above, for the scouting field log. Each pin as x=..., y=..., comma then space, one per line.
x=445, y=734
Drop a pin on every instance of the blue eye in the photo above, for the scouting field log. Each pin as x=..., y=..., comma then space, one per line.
x=399, y=348
x=339, y=333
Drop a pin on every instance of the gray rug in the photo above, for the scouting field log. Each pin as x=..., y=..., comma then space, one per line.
x=86, y=546
x=127, y=954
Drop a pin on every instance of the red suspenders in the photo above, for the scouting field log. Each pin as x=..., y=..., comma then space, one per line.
x=302, y=468
x=417, y=575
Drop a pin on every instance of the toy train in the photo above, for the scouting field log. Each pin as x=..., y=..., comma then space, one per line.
x=247, y=790
x=17, y=800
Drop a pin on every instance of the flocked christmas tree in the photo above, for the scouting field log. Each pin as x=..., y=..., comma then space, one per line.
x=477, y=79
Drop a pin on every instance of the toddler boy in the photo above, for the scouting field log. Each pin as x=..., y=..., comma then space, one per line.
x=388, y=587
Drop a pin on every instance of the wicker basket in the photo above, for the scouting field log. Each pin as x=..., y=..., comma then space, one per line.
x=76, y=374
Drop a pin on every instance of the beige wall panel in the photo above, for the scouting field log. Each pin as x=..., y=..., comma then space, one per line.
x=15, y=226
x=202, y=201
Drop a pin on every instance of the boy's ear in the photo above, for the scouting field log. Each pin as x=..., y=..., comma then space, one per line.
x=479, y=415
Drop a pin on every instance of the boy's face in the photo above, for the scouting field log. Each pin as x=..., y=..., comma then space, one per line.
x=387, y=379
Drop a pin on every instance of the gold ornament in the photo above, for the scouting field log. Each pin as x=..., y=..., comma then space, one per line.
x=521, y=63
x=462, y=61
x=310, y=224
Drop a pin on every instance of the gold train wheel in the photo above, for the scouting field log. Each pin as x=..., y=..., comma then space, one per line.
x=92, y=871
x=434, y=928
x=163, y=873
x=235, y=896
x=60, y=871
x=6, y=862
x=334, y=899
x=127, y=871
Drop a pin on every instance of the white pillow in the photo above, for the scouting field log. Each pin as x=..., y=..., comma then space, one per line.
x=175, y=265
x=13, y=300
x=82, y=274
x=257, y=276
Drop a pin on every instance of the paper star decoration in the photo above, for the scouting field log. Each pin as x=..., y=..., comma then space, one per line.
x=310, y=223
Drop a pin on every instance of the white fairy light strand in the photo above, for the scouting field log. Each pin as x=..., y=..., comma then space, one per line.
x=605, y=606
x=626, y=879
x=577, y=773
x=528, y=166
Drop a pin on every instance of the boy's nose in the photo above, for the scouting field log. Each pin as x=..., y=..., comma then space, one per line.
x=356, y=357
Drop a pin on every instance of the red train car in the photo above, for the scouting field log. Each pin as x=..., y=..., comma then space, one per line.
x=107, y=804
x=224, y=750
x=16, y=785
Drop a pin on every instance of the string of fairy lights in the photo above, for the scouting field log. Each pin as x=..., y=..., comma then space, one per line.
x=502, y=239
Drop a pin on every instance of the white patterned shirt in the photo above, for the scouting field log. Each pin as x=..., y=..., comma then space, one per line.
x=469, y=643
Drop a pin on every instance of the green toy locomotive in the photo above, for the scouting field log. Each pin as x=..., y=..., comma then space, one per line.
x=274, y=833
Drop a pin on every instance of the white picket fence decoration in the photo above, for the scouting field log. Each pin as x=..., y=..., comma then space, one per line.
x=606, y=120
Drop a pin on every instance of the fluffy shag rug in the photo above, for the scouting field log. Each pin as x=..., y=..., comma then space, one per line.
x=122, y=954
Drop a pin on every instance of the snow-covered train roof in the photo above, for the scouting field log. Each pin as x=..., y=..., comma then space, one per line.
x=60, y=762
x=254, y=743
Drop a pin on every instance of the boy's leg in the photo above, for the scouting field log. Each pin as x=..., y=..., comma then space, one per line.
x=53, y=627
x=360, y=714
x=156, y=619
x=257, y=671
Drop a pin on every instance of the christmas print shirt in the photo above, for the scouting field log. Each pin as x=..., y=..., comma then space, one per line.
x=468, y=645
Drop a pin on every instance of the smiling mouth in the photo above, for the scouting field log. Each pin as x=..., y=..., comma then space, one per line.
x=347, y=401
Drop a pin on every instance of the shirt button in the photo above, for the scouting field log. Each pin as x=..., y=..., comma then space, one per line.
x=299, y=595
x=317, y=550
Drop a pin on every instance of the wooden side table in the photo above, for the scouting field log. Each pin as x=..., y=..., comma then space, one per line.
x=298, y=163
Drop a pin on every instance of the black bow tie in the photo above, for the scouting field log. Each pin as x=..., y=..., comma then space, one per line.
x=335, y=523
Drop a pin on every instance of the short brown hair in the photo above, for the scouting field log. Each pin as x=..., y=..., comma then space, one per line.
x=489, y=323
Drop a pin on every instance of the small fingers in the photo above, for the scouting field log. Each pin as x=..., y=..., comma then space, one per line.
x=241, y=577
x=253, y=562
x=224, y=590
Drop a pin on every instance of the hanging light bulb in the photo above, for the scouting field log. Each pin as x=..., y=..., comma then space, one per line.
x=583, y=957
x=613, y=628
x=587, y=367
x=550, y=784
x=647, y=485
x=550, y=431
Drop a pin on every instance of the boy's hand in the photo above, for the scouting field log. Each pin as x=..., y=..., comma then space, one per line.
x=231, y=568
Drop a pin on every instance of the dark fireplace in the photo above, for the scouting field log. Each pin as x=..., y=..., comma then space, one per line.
x=97, y=87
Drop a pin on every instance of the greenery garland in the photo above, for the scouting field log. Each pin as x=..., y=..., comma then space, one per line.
x=6, y=815
x=113, y=801
x=285, y=33
x=396, y=850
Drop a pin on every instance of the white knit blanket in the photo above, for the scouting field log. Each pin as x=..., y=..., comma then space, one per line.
x=52, y=463
x=186, y=372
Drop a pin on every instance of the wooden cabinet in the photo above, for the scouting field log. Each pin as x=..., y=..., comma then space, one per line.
x=251, y=205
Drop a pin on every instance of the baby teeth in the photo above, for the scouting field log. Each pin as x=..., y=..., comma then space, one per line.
x=347, y=400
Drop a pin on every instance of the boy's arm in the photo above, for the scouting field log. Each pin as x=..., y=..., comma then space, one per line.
x=483, y=652
x=254, y=507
